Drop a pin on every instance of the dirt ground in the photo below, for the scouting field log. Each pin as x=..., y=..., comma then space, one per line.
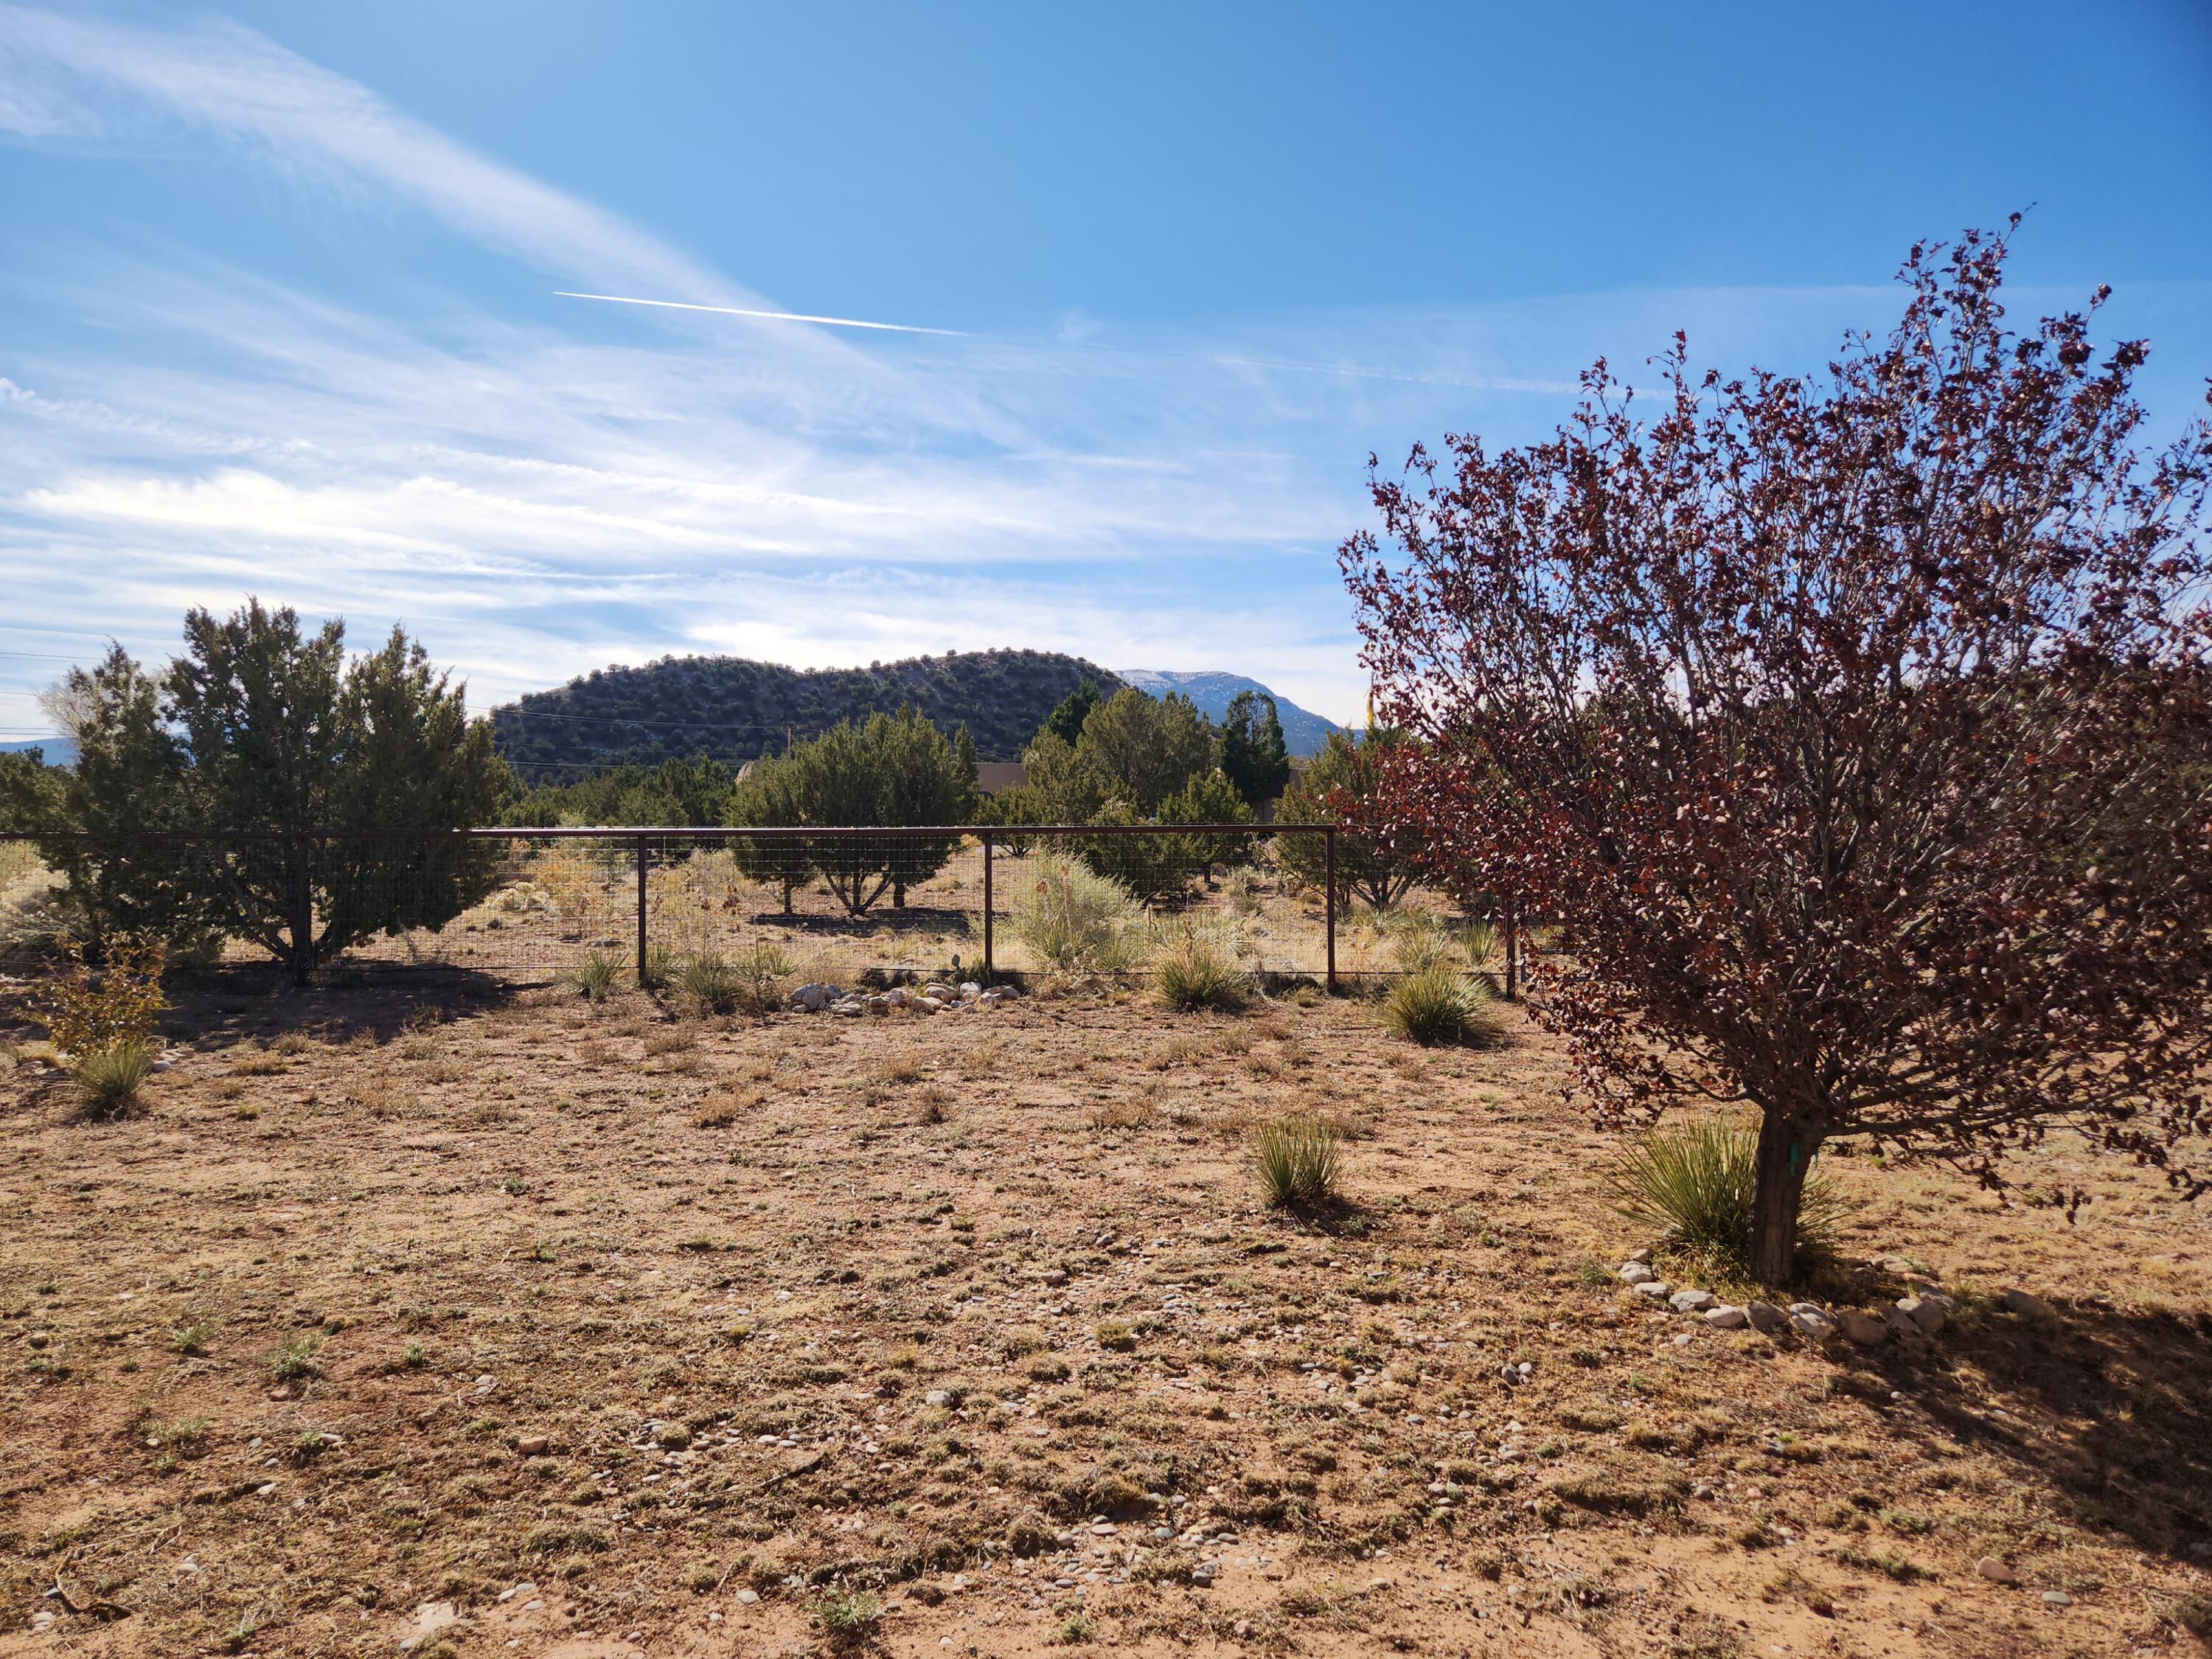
x=419, y=1311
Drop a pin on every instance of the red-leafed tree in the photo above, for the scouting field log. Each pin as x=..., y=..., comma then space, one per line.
x=1857, y=728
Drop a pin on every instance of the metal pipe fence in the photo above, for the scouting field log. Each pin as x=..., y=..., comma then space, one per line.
x=834, y=903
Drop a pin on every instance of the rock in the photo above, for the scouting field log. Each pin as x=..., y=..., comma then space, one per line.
x=1995, y=1571
x=1862, y=1327
x=928, y=1005
x=531, y=1445
x=1726, y=1318
x=1808, y=1321
x=2058, y=1599
x=970, y=990
x=1202, y=1574
x=1654, y=1288
x=1764, y=1316
x=938, y=990
x=1692, y=1301
x=937, y=1397
x=2028, y=1305
x=1635, y=1272
x=1643, y=1257
x=1899, y=1318
x=814, y=997
x=748, y=1597
x=1925, y=1312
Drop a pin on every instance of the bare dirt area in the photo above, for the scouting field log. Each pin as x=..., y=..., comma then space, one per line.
x=420, y=1311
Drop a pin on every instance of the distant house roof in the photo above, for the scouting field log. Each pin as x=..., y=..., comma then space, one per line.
x=992, y=777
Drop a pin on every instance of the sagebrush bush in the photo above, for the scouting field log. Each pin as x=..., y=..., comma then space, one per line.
x=1693, y=1181
x=109, y=1078
x=1075, y=919
x=1440, y=1004
x=1194, y=967
x=1297, y=1161
x=595, y=977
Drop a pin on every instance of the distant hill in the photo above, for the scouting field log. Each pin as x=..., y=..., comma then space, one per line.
x=1304, y=732
x=735, y=709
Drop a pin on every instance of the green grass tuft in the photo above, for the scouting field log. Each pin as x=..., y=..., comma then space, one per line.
x=1297, y=1161
x=1440, y=1004
x=1693, y=1181
x=108, y=1079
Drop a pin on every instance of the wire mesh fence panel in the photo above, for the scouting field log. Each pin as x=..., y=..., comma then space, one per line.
x=836, y=905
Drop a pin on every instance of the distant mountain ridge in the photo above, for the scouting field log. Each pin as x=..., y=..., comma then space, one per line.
x=736, y=709
x=1304, y=732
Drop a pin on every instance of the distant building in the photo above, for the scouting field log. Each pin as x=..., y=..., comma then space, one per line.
x=992, y=777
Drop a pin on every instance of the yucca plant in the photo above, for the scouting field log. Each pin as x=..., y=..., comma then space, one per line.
x=1419, y=942
x=1440, y=1004
x=659, y=968
x=1297, y=1161
x=712, y=982
x=1193, y=968
x=109, y=1078
x=1694, y=1182
x=595, y=977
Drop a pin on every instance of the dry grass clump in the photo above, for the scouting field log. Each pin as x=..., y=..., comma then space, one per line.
x=109, y=1079
x=1194, y=968
x=1297, y=1161
x=1076, y=921
x=595, y=978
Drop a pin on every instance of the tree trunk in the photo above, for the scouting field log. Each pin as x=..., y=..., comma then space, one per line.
x=1786, y=1145
x=301, y=909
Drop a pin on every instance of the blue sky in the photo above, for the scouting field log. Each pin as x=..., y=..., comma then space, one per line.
x=278, y=308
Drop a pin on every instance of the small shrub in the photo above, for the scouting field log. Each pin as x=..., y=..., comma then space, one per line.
x=194, y=1339
x=1694, y=1182
x=1296, y=1160
x=1193, y=969
x=87, y=1010
x=594, y=978
x=849, y=1615
x=1440, y=1004
x=659, y=968
x=296, y=1358
x=1118, y=1335
x=108, y=1079
x=1076, y=921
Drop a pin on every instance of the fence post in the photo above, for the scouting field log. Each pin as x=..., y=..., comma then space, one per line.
x=987, y=906
x=1329, y=903
x=1512, y=948
x=644, y=852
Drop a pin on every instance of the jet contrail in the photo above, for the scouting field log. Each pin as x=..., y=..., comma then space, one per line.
x=772, y=316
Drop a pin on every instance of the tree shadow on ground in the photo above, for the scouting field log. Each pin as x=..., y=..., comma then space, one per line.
x=2113, y=1410
x=229, y=1003
x=915, y=919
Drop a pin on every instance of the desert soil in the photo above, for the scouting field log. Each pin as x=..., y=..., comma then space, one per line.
x=415, y=1310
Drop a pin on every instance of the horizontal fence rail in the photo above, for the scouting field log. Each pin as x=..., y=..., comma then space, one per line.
x=835, y=902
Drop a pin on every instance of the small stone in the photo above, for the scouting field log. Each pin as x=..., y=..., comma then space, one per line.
x=2028, y=1305
x=1862, y=1327
x=814, y=997
x=1202, y=1574
x=1899, y=1318
x=970, y=990
x=929, y=1005
x=531, y=1445
x=1654, y=1288
x=1643, y=1255
x=1635, y=1272
x=1726, y=1318
x=1692, y=1301
x=1995, y=1571
x=937, y=1397
x=2058, y=1598
x=1764, y=1316
x=748, y=1597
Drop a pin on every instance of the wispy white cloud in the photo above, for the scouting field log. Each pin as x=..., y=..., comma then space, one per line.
x=535, y=500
